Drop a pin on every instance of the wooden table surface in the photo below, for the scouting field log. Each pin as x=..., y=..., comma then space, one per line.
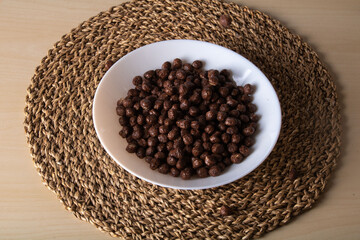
x=28, y=29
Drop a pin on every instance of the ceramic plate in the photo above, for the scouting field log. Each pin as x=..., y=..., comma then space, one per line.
x=118, y=80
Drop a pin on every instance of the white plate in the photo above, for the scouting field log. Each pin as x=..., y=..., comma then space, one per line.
x=118, y=80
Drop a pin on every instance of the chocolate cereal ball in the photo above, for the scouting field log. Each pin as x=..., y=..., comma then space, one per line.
x=185, y=121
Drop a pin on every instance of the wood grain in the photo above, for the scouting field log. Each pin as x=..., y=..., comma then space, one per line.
x=29, y=28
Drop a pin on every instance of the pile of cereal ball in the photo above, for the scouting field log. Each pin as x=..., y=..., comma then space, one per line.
x=185, y=121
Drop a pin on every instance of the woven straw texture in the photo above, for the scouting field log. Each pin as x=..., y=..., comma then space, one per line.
x=73, y=164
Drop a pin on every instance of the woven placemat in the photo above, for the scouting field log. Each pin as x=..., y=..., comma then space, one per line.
x=73, y=164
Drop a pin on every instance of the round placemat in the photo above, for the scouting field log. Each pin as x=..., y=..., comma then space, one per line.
x=73, y=164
